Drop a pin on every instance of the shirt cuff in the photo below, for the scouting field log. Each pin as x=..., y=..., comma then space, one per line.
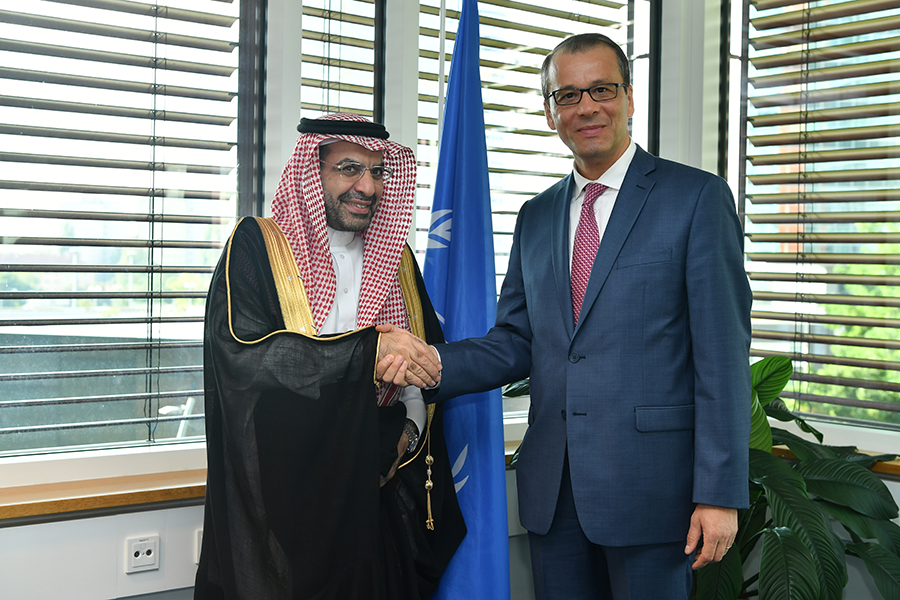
x=411, y=397
x=438, y=384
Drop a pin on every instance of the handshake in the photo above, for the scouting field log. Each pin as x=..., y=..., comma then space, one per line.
x=404, y=359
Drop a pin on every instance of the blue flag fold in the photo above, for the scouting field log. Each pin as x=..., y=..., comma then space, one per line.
x=460, y=276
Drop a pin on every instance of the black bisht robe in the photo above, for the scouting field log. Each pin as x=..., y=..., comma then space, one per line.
x=296, y=444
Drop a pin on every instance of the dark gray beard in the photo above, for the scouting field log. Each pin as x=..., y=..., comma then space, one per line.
x=341, y=221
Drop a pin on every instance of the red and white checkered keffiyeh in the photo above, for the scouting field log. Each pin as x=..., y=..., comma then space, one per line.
x=299, y=209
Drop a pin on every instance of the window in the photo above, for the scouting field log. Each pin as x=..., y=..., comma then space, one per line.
x=822, y=204
x=118, y=165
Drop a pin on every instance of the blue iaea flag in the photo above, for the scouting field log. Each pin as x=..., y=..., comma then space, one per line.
x=460, y=277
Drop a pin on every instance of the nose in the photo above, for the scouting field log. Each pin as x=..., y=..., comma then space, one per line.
x=365, y=184
x=588, y=105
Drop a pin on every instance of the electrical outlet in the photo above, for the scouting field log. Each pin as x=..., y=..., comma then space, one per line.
x=142, y=553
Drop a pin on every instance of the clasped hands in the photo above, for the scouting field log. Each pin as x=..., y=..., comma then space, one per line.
x=404, y=359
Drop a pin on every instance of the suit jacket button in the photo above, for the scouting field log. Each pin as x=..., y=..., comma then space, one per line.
x=563, y=413
x=574, y=358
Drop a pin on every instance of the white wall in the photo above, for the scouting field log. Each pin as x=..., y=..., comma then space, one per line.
x=282, y=91
x=689, y=83
x=84, y=559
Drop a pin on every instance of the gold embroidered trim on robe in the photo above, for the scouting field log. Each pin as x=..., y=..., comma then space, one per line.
x=291, y=293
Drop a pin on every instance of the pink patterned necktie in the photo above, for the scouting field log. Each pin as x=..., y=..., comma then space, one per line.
x=587, y=240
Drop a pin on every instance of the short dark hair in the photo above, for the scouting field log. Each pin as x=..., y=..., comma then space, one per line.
x=582, y=43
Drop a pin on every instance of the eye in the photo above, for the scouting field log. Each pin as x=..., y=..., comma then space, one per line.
x=351, y=170
x=376, y=172
x=566, y=95
x=603, y=90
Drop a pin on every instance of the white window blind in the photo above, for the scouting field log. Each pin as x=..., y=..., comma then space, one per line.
x=338, y=73
x=823, y=204
x=118, y=179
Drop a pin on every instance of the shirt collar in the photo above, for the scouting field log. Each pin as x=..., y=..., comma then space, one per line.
x=339, y=238
x=613, y=177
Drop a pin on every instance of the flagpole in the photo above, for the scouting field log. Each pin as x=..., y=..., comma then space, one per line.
x=442, y=57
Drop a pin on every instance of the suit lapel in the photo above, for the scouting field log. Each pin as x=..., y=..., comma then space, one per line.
x=559, y=249
x=629, y=204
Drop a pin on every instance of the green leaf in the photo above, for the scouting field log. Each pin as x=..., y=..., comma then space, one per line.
x=792, y=508
x=786, y=569
x=750, y=523
x=807, y=428
x=888, y=535
x=764, y=464
x=805, y=450
x=883, y=566
x=849, y=484
x=864, y=460
x=886, y=532
x=884, y=457
x=777, y=409
x=515, y=457
x=852, y=520
x=518, y=388
x=760, y=432
x=722, y=580
x=769, y=376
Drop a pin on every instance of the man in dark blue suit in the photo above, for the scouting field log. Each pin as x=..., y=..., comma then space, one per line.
x=635, y=460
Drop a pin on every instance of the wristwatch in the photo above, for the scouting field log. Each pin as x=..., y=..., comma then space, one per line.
x=412, y=433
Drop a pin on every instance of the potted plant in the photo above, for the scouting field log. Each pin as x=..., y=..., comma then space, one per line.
x=792, y=509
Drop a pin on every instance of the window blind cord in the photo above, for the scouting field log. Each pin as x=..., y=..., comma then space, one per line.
x=801, y=223
x=152, y=404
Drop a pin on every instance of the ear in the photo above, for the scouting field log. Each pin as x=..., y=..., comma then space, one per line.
x=629, y=93
x=550, y=122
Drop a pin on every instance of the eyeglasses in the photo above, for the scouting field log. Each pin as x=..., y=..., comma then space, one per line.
x=354, y=171
x=599, y=93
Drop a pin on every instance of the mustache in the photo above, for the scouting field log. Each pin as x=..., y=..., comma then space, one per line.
x=354, y=195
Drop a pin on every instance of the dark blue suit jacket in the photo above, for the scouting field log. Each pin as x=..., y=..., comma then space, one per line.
x=651, y=391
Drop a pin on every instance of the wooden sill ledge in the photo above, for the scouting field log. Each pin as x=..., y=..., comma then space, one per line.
x=92, y=494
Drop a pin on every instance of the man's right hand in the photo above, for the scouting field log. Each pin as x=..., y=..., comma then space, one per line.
x=404, y=359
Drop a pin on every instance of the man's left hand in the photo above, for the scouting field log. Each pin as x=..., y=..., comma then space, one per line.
x=718, y=528
x=402, y=445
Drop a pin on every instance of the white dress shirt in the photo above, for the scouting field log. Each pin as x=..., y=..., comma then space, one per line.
x=603, y=206
x=347, y=258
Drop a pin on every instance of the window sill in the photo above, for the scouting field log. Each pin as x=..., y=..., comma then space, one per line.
x=60, y=484
x=95, y=494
